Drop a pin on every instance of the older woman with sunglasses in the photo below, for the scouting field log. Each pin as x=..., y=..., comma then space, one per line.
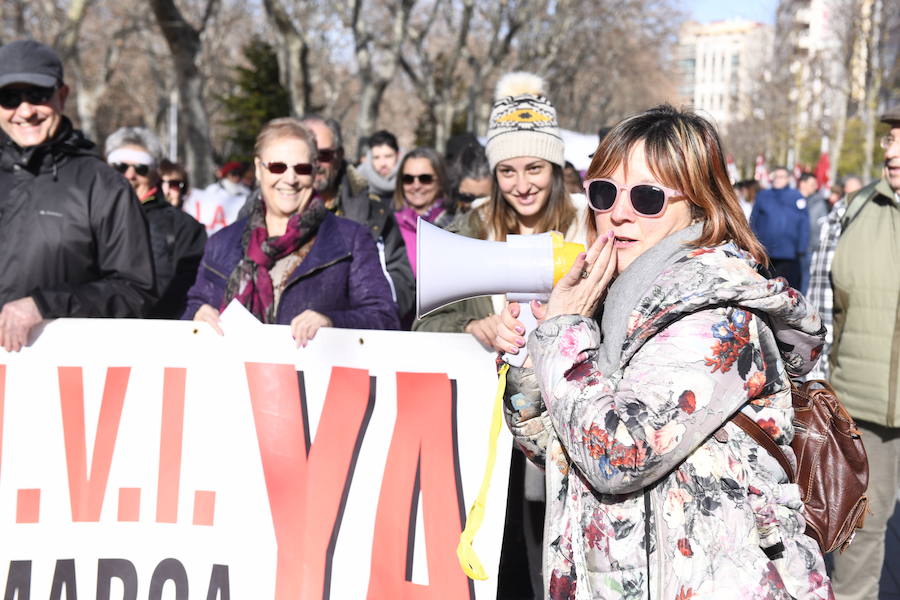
x=647, y=347
x=420, y=192
x=291, y=261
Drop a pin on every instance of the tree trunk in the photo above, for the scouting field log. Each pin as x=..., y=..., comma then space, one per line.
x=185, y=45
x=293, y=58
x=370, y=105
x=873, y=86
x=837, y=140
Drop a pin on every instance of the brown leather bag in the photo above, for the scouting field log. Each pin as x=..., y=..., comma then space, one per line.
x=832, y=468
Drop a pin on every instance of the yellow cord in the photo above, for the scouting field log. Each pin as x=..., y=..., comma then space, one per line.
x=468, y=560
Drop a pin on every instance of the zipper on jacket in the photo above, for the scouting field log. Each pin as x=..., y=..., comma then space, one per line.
x=294, y=280
x=209, y=268
x=647, y=510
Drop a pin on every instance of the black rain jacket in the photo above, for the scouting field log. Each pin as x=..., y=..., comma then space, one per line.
x=72, y=233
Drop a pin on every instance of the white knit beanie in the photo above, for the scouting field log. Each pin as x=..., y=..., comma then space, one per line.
x=523, y=122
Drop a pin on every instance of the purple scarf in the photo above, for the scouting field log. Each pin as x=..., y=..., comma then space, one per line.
x=250, y=282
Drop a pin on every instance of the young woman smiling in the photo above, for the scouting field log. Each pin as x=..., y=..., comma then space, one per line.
x=528, y=195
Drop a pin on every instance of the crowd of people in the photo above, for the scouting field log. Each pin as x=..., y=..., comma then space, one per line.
x=629, y=480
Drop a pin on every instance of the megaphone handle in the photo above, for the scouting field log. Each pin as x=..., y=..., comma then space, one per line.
x=530, y=324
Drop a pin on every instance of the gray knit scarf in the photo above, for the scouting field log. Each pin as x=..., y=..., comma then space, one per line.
x=630, y=286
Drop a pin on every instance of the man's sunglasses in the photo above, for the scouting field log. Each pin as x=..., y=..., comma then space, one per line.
x=175, y=183
x=122, y=168
x=326, y=155
x=648, y=200
x=277, y=168
x=11, y=98
x=424, y=179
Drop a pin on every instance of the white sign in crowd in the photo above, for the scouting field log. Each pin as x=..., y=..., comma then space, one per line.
x=156, y=459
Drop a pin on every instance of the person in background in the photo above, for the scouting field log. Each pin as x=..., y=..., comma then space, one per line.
x=291, y=261
x=73, y=240
x=852, y=184
x=346, y=194
x=859, y=280
x=627, y=402
x=817, y=207
x=528, y=196
x=781, y=222
x=174, y=181
x=572, y=179
x=176, y=238
x=746, y=194
x=420, y=192
x=219, y=203
x=379, y=166
x=470, y=182
x=835, y=193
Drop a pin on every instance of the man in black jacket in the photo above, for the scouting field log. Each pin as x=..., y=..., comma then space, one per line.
x=73, y=241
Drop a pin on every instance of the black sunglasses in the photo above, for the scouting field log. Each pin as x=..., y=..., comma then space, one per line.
x=277, y=168
x=122, y=168
x=11, y=98
x=647, y=199
x=466, y=198
x=326, y=155
x=424, y=179
x=176, y=183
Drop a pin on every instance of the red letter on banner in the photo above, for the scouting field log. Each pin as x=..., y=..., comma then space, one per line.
x=307, y=484
x=422, y=453
x=170, y=439
x=86, y=492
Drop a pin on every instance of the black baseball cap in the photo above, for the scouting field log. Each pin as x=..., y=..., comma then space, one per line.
x=28, y=61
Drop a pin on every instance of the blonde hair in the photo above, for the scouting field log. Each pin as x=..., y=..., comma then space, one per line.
x=683, y=152
x=285, y=127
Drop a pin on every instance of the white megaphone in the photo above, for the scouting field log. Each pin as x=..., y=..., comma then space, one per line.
x=454, y=267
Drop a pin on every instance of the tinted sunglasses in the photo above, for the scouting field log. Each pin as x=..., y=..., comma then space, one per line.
x=176, y=183
x=277, y=168
x=466, y=198
x=11, y=98
x=424, y=179
x=326, y=155
x=122, y=168
x=647, y=199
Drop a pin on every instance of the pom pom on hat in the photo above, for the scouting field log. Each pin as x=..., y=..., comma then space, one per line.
x=523, y=122
x=519, y=83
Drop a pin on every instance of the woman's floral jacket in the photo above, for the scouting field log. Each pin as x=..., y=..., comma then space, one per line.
x=651, y=491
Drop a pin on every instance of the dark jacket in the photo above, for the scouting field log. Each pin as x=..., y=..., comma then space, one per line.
x=360, y=204
x=340, y=277
x=72, y=233
x=177, y=240
x=781, y=223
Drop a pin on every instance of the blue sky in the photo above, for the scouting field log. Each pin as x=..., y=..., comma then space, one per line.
x=713, y=10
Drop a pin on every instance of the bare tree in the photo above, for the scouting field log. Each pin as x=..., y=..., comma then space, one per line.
x=184, y=42
x=293, y=55
x=377, y=53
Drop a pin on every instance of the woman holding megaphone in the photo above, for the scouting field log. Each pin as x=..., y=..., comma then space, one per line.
x=646, y=348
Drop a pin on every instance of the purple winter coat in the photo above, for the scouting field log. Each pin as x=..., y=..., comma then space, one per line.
x=341, y=277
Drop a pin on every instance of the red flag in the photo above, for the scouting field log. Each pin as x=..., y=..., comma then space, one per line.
x=822, y=168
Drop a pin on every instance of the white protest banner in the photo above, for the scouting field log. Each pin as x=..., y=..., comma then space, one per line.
x=156, y=459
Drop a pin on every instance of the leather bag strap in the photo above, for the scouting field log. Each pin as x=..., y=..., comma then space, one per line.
x=765, y=440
